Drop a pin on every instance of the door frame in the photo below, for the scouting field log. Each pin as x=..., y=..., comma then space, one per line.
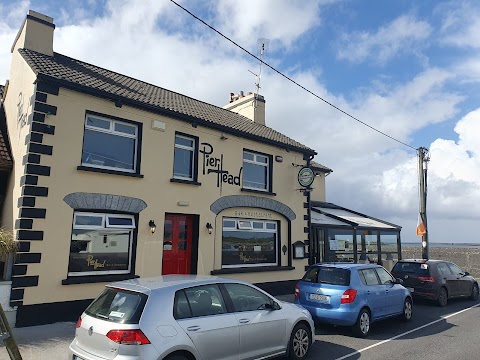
x=195, y=238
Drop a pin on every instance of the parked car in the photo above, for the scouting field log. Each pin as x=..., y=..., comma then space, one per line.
x=437, y=280
x=355, y=295
x=187, y=317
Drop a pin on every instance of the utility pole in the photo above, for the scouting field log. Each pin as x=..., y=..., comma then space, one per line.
x=422, y=228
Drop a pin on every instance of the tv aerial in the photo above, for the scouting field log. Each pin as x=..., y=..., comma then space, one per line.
x=262, y=49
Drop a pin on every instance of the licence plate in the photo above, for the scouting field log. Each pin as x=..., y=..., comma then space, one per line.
x=319, y=297
x=411, y=289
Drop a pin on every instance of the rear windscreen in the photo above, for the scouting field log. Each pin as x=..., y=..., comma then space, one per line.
x=421, y=269
x=328, y=275
x=118, y=306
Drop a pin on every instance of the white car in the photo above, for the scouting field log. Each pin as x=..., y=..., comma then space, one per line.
x=187, y=317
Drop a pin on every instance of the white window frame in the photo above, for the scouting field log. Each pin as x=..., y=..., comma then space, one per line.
x=96, y=215
x=256, y=162
x=112, y=131
x=107, y=227
x=239, y=227
x=107, y=223
x=188, y=148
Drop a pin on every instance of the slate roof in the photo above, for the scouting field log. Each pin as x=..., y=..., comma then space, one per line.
x=84, y=77
x=6, y=161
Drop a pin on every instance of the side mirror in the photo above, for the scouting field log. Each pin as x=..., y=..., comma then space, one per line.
x=272, y=306
x=398, y=281
x=466, y=273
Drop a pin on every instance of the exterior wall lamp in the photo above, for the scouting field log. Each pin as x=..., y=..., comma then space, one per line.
x=209, y=228
x=152, y=225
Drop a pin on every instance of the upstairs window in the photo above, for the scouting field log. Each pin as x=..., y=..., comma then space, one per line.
x=184, y=163
x=256, y=171
x=110, y=144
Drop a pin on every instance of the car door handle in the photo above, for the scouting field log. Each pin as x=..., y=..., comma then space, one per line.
x=193, y=328
x=243, y=321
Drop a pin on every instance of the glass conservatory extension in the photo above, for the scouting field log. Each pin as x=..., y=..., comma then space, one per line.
x=342, y=235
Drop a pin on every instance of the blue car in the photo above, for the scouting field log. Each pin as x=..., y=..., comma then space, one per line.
x=354, y=295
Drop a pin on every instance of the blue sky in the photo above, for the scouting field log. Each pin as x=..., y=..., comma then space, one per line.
x=408, y=68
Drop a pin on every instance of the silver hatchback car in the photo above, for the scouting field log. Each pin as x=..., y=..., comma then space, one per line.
x=189, y=317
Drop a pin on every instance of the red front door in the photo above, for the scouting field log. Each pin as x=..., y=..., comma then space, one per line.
x=177, y=244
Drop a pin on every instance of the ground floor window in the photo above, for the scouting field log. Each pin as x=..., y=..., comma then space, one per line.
x=101, y=244
x=247, y=242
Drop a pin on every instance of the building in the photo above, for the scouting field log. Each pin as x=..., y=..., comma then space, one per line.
x=114, y=178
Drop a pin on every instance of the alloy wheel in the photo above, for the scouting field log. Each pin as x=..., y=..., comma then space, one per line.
x=301, y=342
x=364, y=323
x=442, y=297
x=407, y=310
x=474, y=295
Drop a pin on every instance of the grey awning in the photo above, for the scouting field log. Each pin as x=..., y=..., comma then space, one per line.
x=334, y=215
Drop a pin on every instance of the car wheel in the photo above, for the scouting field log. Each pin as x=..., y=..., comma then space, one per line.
x=362, y=326
x=407, y=310
x=474, y=295
x=442, y=297
x=299, y=342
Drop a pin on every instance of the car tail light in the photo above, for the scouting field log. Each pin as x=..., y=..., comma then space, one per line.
x=79, y=322
x=426, y=278
x=348, y=296
x=297, y=292
x=128, y=337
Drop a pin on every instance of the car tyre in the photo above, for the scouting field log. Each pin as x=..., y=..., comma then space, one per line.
x=177, y=357
x=362, y=326
x=442, y=297
x=474, y=295
x=407, y=310
x=300, y=341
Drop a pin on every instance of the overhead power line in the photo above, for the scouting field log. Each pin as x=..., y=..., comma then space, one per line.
x=291, y=80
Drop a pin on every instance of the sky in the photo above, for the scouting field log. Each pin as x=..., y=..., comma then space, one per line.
x=410, y=69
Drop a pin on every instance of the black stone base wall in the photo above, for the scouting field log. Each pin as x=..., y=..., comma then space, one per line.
x=286, y=287
x=42, y=314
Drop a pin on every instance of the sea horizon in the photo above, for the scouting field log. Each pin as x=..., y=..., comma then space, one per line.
x=442, y=244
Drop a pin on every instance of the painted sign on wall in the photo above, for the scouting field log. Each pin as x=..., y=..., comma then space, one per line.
x=215, y=165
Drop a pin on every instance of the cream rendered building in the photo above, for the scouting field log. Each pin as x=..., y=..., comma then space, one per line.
x=114, y=178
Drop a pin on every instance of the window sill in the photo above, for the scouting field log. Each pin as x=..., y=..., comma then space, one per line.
x=251, y=269
x=97, y=278
x=259, y=192
x=107, y=171
x=181, y=181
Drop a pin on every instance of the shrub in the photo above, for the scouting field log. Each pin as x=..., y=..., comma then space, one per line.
x=8, y=244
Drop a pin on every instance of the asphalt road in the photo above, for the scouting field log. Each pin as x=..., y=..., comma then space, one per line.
x=434, y=333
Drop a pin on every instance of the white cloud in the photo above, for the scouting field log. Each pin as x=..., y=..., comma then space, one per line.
x=372, y=174
x=453, y=183
x=403, y=35
x=460, y=23
x=282, y=21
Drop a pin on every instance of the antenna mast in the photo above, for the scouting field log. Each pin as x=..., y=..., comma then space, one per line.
x=262, y=48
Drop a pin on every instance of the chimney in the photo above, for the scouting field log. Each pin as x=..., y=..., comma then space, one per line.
x=35, y=34
x=251, y=106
